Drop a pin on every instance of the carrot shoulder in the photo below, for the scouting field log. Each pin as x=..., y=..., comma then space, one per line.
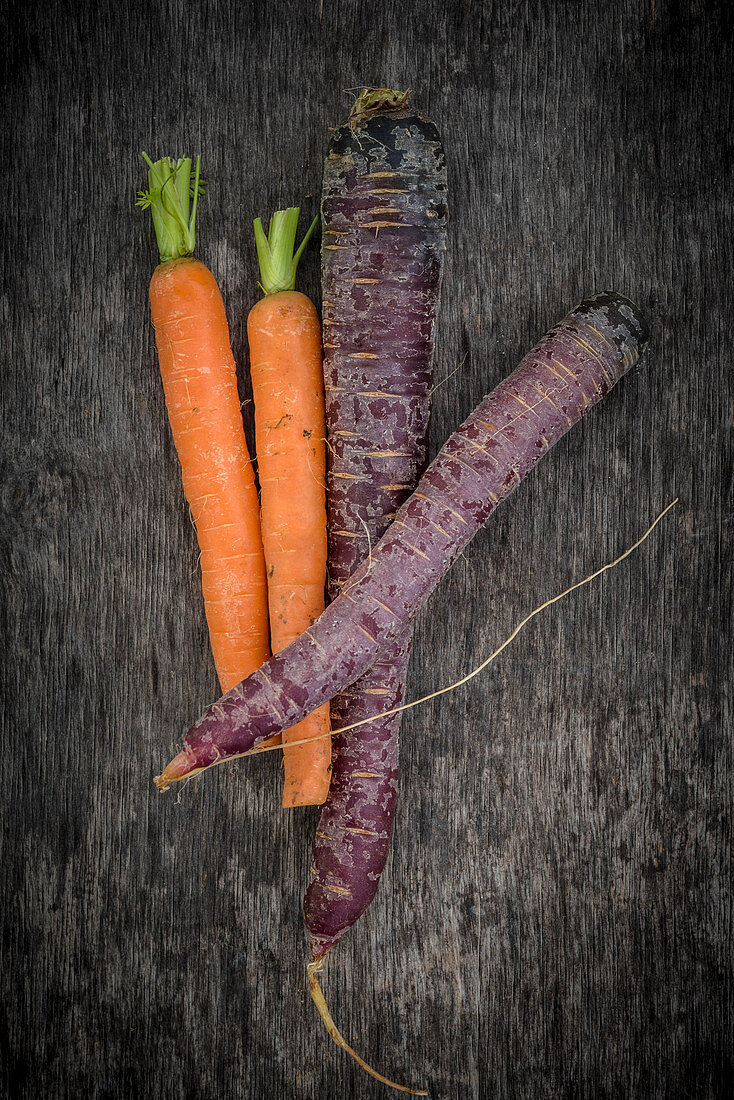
x=284, y=334
x=200, y=385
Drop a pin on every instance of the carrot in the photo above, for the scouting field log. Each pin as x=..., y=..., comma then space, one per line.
x=384, y=238
x=284, y=334
x=200, y=384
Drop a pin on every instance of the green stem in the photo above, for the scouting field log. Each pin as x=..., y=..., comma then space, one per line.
x=169, y=197
x=377, y=101
x=275, y=254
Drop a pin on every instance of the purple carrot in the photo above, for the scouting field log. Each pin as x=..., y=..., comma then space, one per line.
x=568, y=372
x=383, y=215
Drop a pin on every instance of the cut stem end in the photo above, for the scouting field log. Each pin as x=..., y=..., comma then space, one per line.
x=275, y=253
x=377, y=101
x=173, y=198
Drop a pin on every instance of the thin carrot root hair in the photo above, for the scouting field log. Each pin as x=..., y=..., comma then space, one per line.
x=492, y=656
x=314, y=968
x=451, y=375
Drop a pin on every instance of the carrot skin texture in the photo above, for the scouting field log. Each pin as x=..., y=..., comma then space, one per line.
x=284, y=334
x=200, y=384
x=384, y=236
x=572, y=368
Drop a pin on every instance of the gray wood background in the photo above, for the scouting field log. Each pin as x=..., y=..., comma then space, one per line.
x=556, y=917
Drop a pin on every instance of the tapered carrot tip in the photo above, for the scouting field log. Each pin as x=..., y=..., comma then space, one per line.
x=179, y=768
x=314, y=968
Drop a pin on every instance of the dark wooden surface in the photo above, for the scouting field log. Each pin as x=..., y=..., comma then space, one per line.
x=555, y=920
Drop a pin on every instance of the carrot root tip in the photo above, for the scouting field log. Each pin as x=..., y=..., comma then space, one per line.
x=314, y=968
x=178, y=768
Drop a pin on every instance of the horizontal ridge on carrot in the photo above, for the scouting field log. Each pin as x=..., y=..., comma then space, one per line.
x=572, y=368
x=200, y=384
x=284, y=335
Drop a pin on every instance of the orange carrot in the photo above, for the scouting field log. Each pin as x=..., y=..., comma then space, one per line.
x=284, y=333
x=200, y=384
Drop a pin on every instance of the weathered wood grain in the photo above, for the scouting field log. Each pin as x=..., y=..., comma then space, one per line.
x=556, y=917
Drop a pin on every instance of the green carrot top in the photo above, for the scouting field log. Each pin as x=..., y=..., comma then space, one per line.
x=275, y=254
x=169, y=196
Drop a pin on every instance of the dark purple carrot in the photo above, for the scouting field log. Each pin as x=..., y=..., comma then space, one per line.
x=384, y=234
x=568, y=372
x=384, y=231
